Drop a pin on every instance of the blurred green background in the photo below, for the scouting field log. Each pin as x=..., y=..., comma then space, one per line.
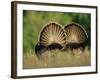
x=33, y=22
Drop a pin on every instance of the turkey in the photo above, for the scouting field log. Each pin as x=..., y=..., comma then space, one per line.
x=51, y=37
x=75, y=36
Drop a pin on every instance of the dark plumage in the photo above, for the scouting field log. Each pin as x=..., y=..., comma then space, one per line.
x=75, y=46
x=54, y=46
x=39, y=49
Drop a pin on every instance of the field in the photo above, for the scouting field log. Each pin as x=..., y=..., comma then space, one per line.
x=57, y=59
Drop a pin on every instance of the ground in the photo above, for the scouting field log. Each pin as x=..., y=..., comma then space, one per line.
x=57, y=58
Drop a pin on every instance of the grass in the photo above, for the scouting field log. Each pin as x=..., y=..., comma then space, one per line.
x=57, y=58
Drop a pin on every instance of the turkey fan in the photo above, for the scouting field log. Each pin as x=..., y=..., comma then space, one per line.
x=53, y=36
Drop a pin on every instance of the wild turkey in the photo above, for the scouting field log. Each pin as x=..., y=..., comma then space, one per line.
x=52, y=37
x=75, y=36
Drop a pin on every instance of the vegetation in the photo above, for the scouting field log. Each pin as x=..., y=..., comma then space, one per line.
x=57, y=59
